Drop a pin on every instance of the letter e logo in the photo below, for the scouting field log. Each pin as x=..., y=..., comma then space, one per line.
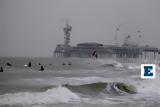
x=148, y=71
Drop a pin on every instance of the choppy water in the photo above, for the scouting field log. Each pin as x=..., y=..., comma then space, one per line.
x=75, y=83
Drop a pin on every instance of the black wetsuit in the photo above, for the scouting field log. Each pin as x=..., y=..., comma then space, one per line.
x=94, y=54
x=1, y=70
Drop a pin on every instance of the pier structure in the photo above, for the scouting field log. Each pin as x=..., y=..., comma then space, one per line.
x=126, y=52
x=84, y=50
x=150, y=52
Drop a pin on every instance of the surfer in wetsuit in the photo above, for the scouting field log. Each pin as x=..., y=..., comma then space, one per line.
x=1, y=70
x=29, y=64
x=94, y=55
x=8, y=64
x=42, y=68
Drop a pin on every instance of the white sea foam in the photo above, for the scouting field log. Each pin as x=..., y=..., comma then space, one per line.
x=109, y=61
x=51, y=96
x=118, y=64
x=134, y=67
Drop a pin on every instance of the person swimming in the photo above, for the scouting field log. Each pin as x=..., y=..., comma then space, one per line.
x=42, y=68
x=1, y=69
x=63, y=64
x=69, y=63
x=8, y=64
x=29, y=64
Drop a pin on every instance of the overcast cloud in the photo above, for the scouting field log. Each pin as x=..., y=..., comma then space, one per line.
x=34, y=27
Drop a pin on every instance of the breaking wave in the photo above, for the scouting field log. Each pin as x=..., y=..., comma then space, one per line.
x=83, y=92
x=103, y=87
x=65, y=93
x=50, y=96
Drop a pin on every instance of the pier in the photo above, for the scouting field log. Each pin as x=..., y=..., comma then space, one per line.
x=85, y=50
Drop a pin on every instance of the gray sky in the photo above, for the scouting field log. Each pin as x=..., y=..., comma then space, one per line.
x=34, y=27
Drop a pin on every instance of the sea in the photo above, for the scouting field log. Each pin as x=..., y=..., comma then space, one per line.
x=76, y=82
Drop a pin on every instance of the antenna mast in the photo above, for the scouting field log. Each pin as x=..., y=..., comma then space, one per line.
x=116, y=42
x=67, y=33
x=139, y=37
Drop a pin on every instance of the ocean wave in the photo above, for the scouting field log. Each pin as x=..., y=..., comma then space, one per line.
x=94, y=93
x=50, y=96
x=103, y=87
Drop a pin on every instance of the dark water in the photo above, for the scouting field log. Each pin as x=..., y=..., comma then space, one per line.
x=75, y=83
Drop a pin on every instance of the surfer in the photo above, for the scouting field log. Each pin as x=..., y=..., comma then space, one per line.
x=42, y=68
x=29, y=64
x=63, y=64
x=8, y=64
x=69, y=63
x=1, y=70
x=94, y=55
